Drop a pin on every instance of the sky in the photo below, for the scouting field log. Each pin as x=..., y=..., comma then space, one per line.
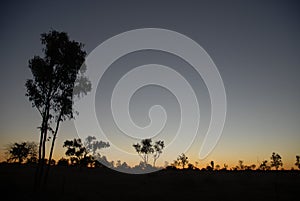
x=254, y=44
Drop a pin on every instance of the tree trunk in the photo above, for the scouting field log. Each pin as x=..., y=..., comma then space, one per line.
x=52, y=148
x=45, y=130
x=38, y=168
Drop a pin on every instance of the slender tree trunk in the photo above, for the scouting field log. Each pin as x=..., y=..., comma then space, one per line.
x=38, y=168
x=41, y=139
x=52, y=148
x=45, y=129
x=154, y=161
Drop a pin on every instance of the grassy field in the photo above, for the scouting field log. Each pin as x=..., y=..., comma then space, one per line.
x=69, y=183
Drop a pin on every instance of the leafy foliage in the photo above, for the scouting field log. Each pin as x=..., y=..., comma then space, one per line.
x=182, y=160
x=264, y=165
x=276, y=160
x=146, y=148
x=92, y=145
x=83, y=154
x=19, y=152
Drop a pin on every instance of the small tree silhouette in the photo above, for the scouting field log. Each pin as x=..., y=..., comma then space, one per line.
x=225, y=166
x=298, y=162
x=83, y=153
x=182, y=160
x=63, y=162
x=191, y=166
x=19, y=152
x=276, y=160
x=241, y=165
x=264, y=165
x=146, y=148
x=158, y=147
x=92, y=145
x=75, y=150
x=212, y=164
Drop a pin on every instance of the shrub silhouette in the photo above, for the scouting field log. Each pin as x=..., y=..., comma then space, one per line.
x=264, y=165
x=84, y=153
x=19, y=152
x=276, y=161
x=63, y=162
x=298, y=162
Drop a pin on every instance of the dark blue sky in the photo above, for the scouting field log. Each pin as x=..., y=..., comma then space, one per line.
x=254, y=44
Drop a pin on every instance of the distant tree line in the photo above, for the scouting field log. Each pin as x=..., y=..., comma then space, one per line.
x=182, y=162
x=87, y=154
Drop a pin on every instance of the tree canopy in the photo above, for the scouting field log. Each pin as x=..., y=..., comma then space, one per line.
x=19, y=152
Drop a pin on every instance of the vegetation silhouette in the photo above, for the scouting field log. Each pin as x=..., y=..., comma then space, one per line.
x=83, y=154
x=276, y=161
x=87, y=155
x=68, y=182
x=57, y=77
x=182, y=160
x=298, y=162
x=264, y=166
x=19, y=152
x=146, y=148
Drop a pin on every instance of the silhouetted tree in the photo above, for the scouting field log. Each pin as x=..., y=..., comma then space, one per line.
x=158, y=147
x=264, y=165
x=298, y=162
x=276, y=160
x=191, y=166
x=175, y=164
x=92, y=145
x=218, y=167
x=87, y=161
x=225, y=166
x=33, y=159
x=19, y=152
x=182, y=160
x=103, y=161
x=146, y=148
x=118, y=163
x=85, y=154
x=250, y=167
x=75, y=150
x=54, y=78
x=212, y=164
x=209, y=168
x=63, y=162
x=122, y=166
x=241, y=165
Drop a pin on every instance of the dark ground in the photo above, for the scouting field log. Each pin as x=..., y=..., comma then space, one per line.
x=69, y=183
